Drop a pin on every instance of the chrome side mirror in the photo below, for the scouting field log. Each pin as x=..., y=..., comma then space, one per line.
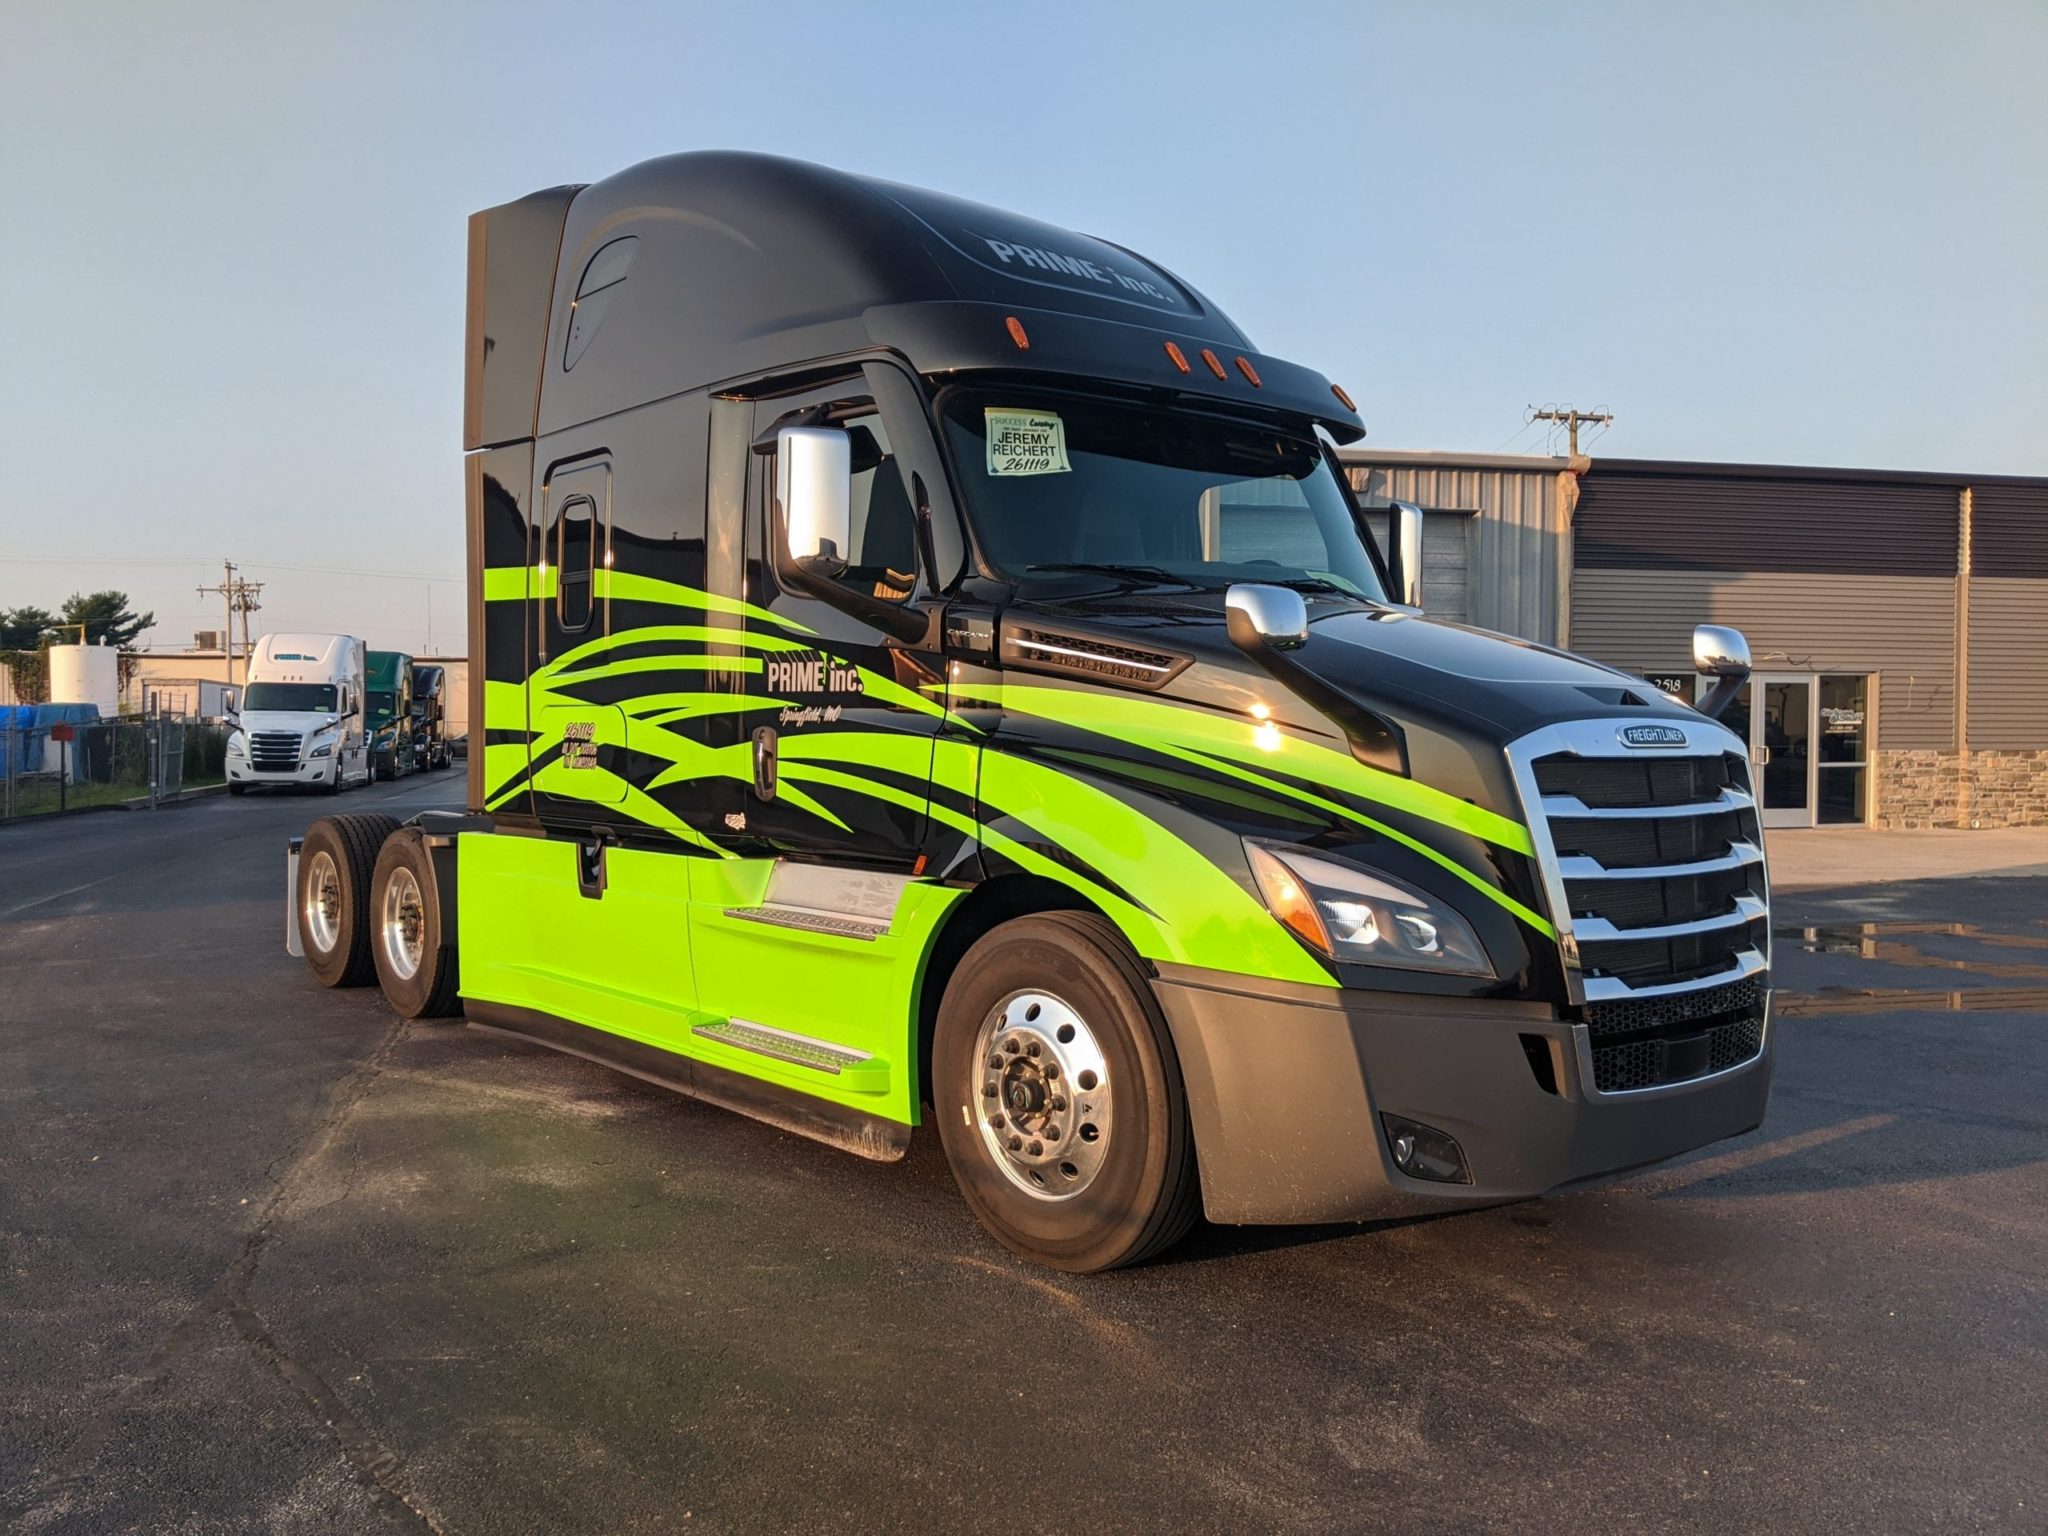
x=1722, y=654
x=1259, y=614
x=1405, y=527
x=814, y=484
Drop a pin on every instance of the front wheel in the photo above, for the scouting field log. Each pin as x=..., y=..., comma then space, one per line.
x=1059, y=1096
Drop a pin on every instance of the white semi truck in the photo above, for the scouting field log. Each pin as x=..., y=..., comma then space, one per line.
x=301, y=715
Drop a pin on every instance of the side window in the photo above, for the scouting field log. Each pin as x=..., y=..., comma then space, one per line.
x=883, y=560
x=575, y=558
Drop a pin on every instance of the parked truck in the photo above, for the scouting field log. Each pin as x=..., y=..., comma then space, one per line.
x=390, y=714
x=930, y=670
x=429, y=717
x=298, y=718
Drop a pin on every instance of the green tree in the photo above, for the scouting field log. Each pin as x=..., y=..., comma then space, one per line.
x=21, y=629
x=106, y=617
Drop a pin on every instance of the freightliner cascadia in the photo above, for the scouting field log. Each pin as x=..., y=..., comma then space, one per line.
x=928, y=669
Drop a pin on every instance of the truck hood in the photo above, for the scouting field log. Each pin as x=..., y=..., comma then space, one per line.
x=1456, y=695
x=297, y=721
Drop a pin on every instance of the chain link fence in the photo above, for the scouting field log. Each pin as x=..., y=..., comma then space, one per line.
x=58, y=768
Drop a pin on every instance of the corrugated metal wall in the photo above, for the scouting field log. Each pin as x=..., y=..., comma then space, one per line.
x=1515, y=550
x=1667, y=520
x=2008, y=708
x=1901, y=626
x=1446, y=555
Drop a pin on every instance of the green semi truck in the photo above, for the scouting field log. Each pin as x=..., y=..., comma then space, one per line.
x=389, y=692
x=929, y=671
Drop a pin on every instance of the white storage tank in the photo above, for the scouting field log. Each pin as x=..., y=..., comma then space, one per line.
x=86, y=674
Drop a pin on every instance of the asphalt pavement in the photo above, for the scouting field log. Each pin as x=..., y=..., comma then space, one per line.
x=272, y=1261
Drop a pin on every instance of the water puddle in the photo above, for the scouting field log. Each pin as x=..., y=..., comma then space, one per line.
x=1887, y=943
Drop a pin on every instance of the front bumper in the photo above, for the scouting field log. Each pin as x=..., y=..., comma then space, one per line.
x=319, y=770
x=1286, y=1085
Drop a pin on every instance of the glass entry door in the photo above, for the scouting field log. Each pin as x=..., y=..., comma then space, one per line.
x=1781, y=748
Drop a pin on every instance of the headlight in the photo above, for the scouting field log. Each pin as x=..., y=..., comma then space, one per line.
x=325, y=749
x=237, y=744
x=1361, y=916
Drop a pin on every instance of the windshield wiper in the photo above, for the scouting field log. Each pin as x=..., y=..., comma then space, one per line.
x=1111, y=568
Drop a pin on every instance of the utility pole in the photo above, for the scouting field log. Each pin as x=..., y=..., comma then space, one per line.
x=1572, y=420
x=241, y=597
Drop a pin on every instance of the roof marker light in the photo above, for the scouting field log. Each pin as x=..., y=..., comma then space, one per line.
x=1215, y=366
x=1249, y=372
x=1343, y=399
x=1016, y=329
x=1180, y=358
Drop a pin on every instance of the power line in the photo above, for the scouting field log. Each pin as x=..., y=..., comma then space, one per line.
x=241, y=597
x=1571, y=420
x=254, y=565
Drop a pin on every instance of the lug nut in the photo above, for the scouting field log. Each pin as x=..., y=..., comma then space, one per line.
x=1052, y=1133
x=1010, y=1046
x=995, y=1063
x=1058, y=1104
x=1016, y=1143
x=1037, y=1149
x=1052, y=1069
x=996, y=1121
x=1031, y=1049
x=988, y=1090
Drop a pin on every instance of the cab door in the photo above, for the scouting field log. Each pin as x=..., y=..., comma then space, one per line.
x=839, y=719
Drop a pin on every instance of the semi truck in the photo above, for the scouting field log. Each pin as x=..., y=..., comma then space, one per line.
x=390, y=714
x=298, y=720
x=931, y=674
x=429, y=717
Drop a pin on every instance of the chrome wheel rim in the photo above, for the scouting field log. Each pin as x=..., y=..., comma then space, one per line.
x=402, y=925
x=321, y=912
x=1042, y=1095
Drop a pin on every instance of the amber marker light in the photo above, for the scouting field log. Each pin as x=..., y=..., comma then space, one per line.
x=1285, y=897
x=1180, y=358
x=1249, y=372
x=1342, y=398
x=1016, y=329
x=1215, y=364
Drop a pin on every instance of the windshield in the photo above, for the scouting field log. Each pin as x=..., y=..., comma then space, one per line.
x=381, y=701
x=301, y=698
x=1061, y=487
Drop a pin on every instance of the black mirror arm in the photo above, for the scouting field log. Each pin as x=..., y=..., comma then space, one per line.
x=906, y=622
x=1374, y=740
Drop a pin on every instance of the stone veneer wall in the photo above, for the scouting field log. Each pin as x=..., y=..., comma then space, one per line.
x=1927, y=789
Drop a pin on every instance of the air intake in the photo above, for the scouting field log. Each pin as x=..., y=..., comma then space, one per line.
x=1053, y=650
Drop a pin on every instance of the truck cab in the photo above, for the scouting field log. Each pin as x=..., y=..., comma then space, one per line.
x=390, y=715
x=932, y=671
x=429, y=717
x=299, y=716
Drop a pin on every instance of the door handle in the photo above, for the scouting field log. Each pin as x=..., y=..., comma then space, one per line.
x=764, y=763
x=1762, y=756
x=591, y=875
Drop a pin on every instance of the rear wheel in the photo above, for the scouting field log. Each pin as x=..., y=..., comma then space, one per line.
x=413, y=943
x=336, y=861
x=1059, y=1096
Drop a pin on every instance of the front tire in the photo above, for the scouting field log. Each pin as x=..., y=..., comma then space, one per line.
x=1059, y=1096
x=336, y=861
x=412, y=942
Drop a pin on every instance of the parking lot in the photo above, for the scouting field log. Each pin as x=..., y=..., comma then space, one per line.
x=275, y=1262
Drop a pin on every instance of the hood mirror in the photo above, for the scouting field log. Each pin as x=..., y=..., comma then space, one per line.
x=1259, y=614
x=1722, y=654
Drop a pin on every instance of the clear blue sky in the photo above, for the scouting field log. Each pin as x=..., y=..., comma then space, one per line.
x=233, y=235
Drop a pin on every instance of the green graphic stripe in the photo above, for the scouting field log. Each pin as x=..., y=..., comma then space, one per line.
x=1151, y=723
x=518, y=583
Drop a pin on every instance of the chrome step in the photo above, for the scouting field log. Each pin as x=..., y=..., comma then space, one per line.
x=799, y=1050
x=840, y=925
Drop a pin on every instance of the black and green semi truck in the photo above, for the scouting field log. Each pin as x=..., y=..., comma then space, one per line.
x=928, y=669
x=388, y=692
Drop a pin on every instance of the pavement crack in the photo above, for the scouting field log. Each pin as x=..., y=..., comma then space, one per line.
x=373, y=1462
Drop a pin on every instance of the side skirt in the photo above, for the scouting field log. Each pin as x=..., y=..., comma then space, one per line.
x=850, y=1130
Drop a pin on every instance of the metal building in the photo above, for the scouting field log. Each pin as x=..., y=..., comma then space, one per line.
x=1899, y=621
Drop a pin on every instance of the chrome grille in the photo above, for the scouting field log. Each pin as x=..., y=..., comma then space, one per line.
x=274, y=751
x=1653, y=862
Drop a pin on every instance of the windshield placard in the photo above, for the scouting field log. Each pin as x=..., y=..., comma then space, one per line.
x=1026, y=442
